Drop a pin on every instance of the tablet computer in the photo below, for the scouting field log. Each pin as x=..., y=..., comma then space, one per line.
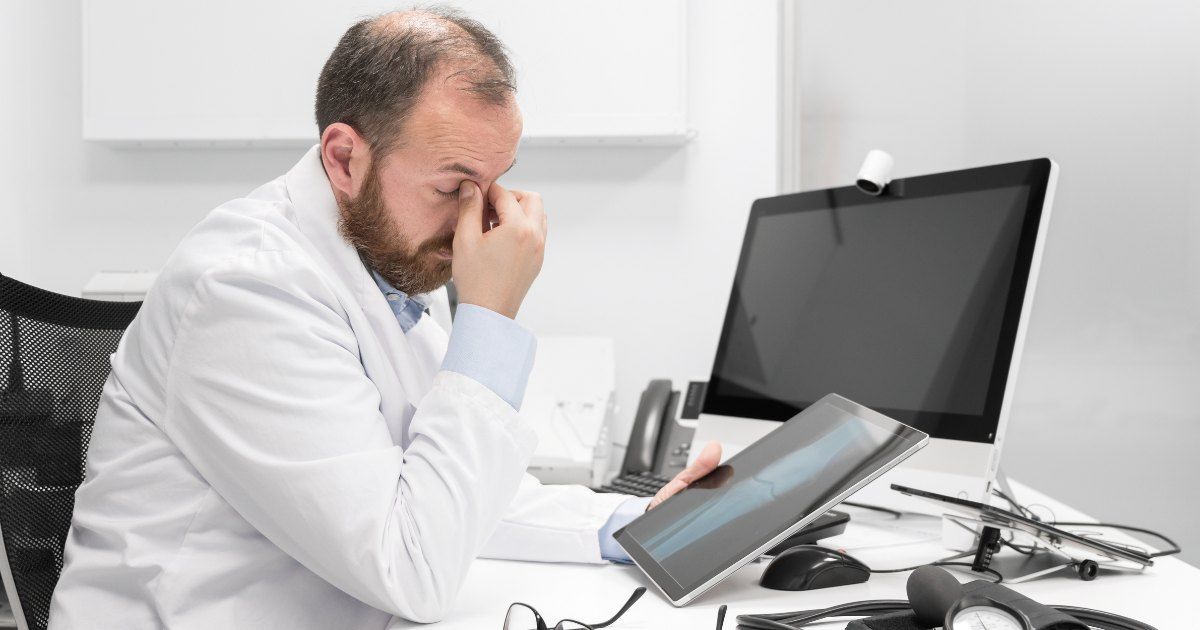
x=764, y=494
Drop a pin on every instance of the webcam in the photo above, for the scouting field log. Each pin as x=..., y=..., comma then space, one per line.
x=876, y=172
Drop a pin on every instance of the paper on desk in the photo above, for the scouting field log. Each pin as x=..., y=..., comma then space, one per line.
x=871, y=534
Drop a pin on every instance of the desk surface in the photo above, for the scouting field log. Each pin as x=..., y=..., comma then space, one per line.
x=595, y=592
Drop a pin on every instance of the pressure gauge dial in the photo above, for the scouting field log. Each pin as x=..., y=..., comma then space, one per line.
x=984, y=617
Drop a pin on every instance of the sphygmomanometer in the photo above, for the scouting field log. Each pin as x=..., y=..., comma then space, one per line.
x=937, y=600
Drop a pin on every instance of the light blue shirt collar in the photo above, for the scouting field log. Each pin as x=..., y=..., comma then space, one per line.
x=408, y=310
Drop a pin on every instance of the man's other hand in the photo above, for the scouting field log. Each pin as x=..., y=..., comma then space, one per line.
x=709, y=459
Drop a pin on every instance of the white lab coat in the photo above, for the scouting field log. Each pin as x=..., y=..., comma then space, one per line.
x=272, y=451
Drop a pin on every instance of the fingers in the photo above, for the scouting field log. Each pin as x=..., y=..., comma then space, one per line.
x=531, y=204
x=495, y=270
x=672, y=488
x=506, y=204
x=708, y=459
x=470, y=209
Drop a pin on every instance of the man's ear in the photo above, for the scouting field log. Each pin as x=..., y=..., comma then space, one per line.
x=347, y=157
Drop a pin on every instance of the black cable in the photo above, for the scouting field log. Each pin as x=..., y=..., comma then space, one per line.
x=1158, y=554
x=945, y=562
x=1102, y=619
x=986, y=570
x=793, y=620
x=1028, y=513
x=1026, y=550
x=1021, y=509
x=917, y=566
x=1034, y=514
x=877, y=508
x=1024, y=510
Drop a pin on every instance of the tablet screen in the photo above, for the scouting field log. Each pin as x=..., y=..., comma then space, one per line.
x=793, y=474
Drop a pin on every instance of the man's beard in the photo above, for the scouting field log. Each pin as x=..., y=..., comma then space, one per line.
x=366, y=224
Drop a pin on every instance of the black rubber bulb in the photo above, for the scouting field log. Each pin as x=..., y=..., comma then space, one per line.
x=931, y=593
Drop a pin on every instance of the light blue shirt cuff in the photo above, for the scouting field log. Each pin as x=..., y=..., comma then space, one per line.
x=493, y=350
x=626, y=512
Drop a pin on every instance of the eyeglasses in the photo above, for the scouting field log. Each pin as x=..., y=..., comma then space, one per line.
x=524, y=617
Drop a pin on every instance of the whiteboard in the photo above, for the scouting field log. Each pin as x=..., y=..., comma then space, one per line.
x=232, y=72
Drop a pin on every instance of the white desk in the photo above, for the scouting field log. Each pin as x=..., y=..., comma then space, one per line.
x=1158, y=596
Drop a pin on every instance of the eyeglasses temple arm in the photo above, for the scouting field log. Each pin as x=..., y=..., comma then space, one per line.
x=637, y=594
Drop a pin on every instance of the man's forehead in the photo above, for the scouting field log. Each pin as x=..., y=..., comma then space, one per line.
x=452, y=165
x=478, y=147
x=458, y=132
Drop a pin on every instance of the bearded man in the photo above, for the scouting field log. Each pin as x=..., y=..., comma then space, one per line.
x=287, y=438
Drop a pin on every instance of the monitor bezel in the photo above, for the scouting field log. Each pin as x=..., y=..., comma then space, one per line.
x=980, y=428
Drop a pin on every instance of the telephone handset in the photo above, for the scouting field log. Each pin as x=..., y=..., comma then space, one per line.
x=658, y=443
x=657, y=402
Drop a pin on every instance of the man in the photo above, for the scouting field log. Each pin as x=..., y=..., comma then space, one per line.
x=287, y=440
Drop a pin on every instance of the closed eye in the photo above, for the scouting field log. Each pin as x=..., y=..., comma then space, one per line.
x=452, y=193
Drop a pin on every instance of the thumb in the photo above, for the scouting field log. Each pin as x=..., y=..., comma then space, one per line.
x=709, y=459
x=470, y=209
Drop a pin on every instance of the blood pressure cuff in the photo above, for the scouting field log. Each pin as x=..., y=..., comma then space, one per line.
x=890, y=621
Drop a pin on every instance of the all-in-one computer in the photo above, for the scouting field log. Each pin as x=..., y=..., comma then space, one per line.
x=914, y=303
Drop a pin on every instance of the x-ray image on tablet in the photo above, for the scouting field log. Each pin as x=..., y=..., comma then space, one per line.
x=765, y=493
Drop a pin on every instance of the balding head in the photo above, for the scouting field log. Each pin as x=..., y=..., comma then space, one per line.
x=381, y=66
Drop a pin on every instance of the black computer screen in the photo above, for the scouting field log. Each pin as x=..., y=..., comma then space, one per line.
x=906, y=303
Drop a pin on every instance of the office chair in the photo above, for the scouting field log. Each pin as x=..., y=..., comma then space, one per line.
x=54, y=360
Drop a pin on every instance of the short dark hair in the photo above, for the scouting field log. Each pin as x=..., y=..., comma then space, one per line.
x=376, y=73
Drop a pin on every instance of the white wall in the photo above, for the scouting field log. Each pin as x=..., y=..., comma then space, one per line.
x=1106, y=413
x=643, y=240
x=67, y=208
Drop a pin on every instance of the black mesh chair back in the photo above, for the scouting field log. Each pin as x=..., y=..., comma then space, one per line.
x=54, y=359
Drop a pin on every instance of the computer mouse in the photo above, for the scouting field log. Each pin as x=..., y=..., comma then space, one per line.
x=808, y=567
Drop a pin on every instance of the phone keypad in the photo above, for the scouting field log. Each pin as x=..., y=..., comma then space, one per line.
x=643, y=484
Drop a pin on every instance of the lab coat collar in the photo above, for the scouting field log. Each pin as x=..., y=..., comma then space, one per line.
x=317, y=215
x=411, y=359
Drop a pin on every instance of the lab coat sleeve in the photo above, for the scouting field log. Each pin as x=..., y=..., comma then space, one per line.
x=553, y=523
x=267, y=398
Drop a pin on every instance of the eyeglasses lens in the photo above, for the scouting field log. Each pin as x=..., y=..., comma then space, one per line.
x=520, y=617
